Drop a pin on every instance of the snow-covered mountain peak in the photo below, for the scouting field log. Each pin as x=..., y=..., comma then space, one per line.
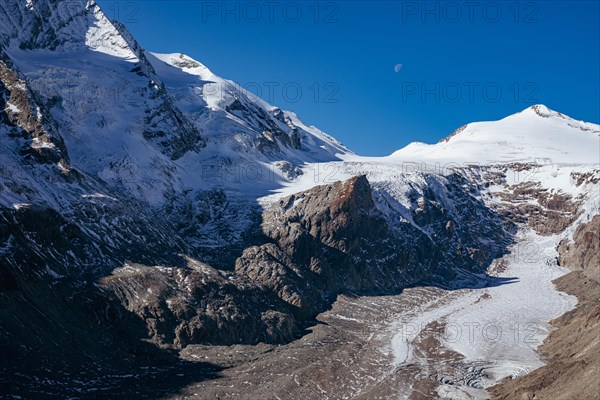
x=102, y=36
x=541, y=110
x=238, y=119
x=60, y=25
x=147, y=122
x=536, y=134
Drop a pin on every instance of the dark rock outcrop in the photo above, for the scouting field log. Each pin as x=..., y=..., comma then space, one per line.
x=583, y=252
x=28, y=120
x=315, y=245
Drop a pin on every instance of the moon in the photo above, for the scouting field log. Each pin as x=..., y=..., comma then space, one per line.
x=397, y=67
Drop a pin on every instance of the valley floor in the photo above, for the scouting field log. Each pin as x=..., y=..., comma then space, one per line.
x=424, y=343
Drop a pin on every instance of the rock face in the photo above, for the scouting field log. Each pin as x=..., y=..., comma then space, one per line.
x=198, y=304
x=582, y=254
x=321, y=240
x=573, y=349
x=312, y=246
x=28, y=121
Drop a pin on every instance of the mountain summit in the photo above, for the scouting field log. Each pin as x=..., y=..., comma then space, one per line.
x=536, y=134
x=131, y=117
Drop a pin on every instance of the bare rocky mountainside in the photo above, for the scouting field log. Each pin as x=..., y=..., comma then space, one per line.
x=165, y=234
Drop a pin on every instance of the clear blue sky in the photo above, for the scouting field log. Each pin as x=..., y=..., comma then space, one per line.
x=461, y=61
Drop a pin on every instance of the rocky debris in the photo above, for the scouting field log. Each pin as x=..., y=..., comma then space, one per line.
x=573, y=349
x=542, y=111
x=582, y=178
x=554, y=212
x=547, y=212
